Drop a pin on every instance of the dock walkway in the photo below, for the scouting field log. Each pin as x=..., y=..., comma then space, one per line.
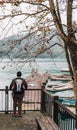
x=26, y=122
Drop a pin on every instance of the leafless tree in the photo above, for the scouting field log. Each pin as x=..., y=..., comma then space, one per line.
x=46, y=16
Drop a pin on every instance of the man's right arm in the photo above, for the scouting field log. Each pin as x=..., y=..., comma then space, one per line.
x=25, y=84
x=11, y=85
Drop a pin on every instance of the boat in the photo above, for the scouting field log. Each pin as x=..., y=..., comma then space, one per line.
x=64, y=77
x=67, y=102
x=64, y=70
x=59, y=87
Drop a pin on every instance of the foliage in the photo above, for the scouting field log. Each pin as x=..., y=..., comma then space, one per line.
x=31, y=24
x=38, y=18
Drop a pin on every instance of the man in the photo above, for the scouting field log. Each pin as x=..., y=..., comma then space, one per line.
x=18, y=86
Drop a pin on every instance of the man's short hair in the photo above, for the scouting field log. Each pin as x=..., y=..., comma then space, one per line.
x=19, y=73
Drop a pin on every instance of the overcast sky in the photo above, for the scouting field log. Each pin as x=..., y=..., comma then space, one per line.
x=12, y=26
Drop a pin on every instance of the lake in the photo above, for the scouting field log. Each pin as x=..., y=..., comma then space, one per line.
x=8, y=69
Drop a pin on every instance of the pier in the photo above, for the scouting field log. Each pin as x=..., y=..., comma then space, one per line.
x=41, y=111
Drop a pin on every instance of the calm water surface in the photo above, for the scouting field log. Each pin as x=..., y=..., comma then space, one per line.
x=8, y=70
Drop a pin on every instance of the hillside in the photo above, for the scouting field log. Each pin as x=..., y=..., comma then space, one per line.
x=30, y=47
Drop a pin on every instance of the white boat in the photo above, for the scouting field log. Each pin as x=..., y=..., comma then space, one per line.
x=59, y=87
x=64, y=70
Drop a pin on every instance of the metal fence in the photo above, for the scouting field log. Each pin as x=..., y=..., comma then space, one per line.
x=66, y=119
x=41, y=100
x=31, y=100
x=2, y=100
x=63, y=117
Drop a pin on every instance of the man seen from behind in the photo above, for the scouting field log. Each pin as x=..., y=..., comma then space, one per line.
x=18, y=87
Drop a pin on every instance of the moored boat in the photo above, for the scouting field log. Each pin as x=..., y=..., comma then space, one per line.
x=59, y=87
x=64, y=70
x=68, y=102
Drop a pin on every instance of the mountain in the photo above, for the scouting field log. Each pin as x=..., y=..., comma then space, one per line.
x=31, y=46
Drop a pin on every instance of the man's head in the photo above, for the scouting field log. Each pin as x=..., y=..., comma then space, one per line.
x=19, y=74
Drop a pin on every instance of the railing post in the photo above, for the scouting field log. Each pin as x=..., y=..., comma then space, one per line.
x=55, y=110
x=42, y=100
x=6, y=100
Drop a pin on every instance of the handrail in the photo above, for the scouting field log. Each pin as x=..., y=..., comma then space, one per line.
x=42, y=100
x=30, y=100
x=66, y=109
x=62, y=116
x=44, y=90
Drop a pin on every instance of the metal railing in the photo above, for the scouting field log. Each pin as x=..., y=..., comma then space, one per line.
x=66, y=119
x=2, y=100
x=31, y=100
x=41, y=100
x=62, y=116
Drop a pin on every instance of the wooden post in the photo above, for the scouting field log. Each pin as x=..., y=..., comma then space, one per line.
x=42, y=101
x=6, y=100
x=55, y=110
x=43, y=108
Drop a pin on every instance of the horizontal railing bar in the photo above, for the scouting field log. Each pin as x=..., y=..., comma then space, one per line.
x=46, y=92
x=29, y=102
x=66, y=109
x=25, y=90
x=2, y=89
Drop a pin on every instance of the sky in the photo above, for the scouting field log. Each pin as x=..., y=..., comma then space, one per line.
x=14, y=25
x=11, y=26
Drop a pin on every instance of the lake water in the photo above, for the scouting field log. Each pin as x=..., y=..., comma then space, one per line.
x=8, y=69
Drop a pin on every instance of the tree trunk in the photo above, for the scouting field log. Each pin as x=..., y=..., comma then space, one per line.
x=73, y=54
x=68, y=60
x=69, y=39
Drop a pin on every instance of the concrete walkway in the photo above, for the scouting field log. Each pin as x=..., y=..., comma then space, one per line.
x=27, y=122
